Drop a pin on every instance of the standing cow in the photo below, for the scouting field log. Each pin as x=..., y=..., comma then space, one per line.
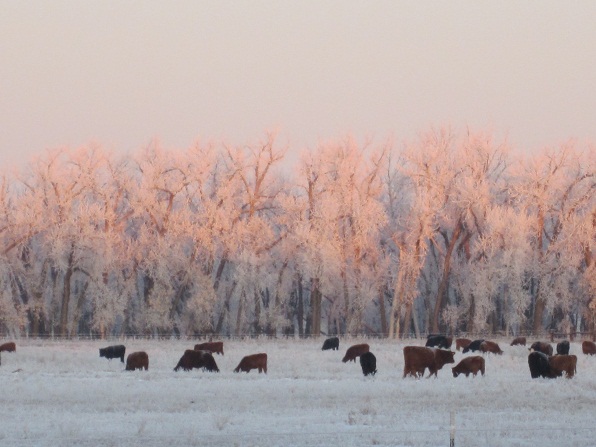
x=468, y=365
x=418, y=358
x=490, y=346
x=254, y=361
x=211, y=346
x=562, y=363
x=8, y=347
x=589, y=347
x=113, y=352
x=473, y=346
x=197, y=359
x=540, y=346
x=539, y=365
x=519, y=341
x=462, y=343
x=563, y=347
x=331, y=343
x=439, y=341
x=368, y=363
x=137, y=360
x=355, y=351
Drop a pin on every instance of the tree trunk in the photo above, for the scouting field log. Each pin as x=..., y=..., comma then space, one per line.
x=382, y=311
x=300, y=310
x=66, y=295
x=315, y=302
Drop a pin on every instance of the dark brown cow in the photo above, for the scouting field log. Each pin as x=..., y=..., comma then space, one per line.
x=540, y=346
x=197, y=359
x=254, y=361
x=418, y=358
x=8, y=347
x=355, y=351
x=519, y=341
x=468, y=365
x=561, y=363
x=589, y=347
x=215, y=347
x=461, y=343
x=137, y=360
x=490, y=346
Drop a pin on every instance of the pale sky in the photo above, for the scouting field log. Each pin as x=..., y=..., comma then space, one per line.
x=121, y=73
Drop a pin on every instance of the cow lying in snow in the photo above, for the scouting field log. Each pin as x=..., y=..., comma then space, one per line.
x=468, y=365
x=8, y=347
x=197, y=359
x=331, y=343
x=113, y=352
x=589, y=347
x=490, y=346
x=540, y=346
x=215, y=347
x=519, y=341
x=254, y=361
x=461, y=343
x=137, y=360
x=418, y=358
x=355, y=351
x=368, y=363
x=439, y=341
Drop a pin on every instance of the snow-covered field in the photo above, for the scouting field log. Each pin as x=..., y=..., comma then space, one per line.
x=64, y=394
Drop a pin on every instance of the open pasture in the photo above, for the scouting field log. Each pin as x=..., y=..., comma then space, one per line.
x=63, y=393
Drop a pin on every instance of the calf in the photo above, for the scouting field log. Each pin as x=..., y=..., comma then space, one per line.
x=113, y=352
x=589, y=347
x=368, y=363
x=539, y=365
x=355, y=351
x=461, y=343
x=439, y=341
x=197, y=359
x=473, y=346
x=418, y=358
x=519, y=341
x=490, y=346
x=468, y=365
x=562, y=363
x=254, y=361
x=8, y=347
x=540, y=346
x=137, y=360
x=211, y=346
x=331, y=343
x=563, y=347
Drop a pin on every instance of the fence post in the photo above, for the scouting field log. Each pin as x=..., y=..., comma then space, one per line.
x=452, y=429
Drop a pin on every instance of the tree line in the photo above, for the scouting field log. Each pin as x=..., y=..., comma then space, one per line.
x=446, y=233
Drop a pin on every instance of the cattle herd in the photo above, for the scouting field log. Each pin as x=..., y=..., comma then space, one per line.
x=417, y=359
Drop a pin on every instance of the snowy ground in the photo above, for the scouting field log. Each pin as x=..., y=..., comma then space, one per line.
x=63, y=393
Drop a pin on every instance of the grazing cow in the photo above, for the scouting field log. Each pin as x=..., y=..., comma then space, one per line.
x=540, y=346
x=519, y=341
x=113, y=352
x=439, y=341
x=562, y=363
x=254, y=361
x=468, y=365
x=490, y=346
x=8, y=347
x=368, y=362
x=418, y=358
x=461, y=343
x=331, y=343
x=355, y=351
x=539, y=365
x=473, y=346
x=589, y=347
x=197, y=359
x=563, y=347
x=215, y=347
x=137, y=360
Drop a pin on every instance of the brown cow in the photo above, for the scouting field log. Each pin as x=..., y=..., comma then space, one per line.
x=254, y=361
x=8, y=347
x=468, y=365
x=355, y=351
x=540, y=346
x=490, y=346
x=197, y=359
x=561, y=363
x=519, y=341
x=215, y=347
x=461, y=343
x=137, y=360
x=418, y=358
x=589, y=347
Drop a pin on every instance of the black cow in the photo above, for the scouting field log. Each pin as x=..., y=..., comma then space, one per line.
x=539, y=365
x=563, y=348
x=331, y=343
x=438, y=341
x=474, y=346
x=368, y=362
x=113, y=352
